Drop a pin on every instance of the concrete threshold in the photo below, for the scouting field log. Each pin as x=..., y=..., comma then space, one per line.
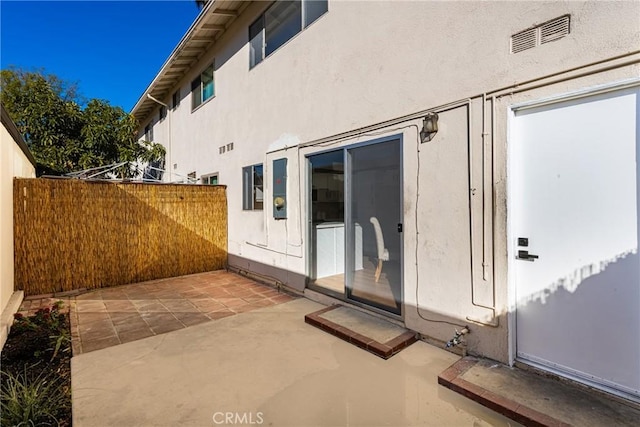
x=534, y=399
x=373, y=334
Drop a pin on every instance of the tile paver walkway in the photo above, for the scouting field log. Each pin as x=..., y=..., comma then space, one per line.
x=111, y=316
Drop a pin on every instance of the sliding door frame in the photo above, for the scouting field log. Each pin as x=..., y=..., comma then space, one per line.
x=345, y=296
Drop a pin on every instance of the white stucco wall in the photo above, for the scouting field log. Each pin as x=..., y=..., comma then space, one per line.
x=13, y=163
x=367, y=62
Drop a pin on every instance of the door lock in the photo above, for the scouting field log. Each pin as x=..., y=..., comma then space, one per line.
x=526, y=256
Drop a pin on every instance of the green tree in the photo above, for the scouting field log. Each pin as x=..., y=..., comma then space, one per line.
x=65, y=133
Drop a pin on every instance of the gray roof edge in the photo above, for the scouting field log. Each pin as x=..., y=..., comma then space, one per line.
x=8, y=122
x=176, y=51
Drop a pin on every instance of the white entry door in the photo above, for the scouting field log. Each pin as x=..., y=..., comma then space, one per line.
x=574, y=238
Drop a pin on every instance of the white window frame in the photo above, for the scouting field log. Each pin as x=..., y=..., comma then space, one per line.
x=175, y=99
x=148, y=132
x=205, y=179
x=252, y=192
x=258, y=43
x=198, y=87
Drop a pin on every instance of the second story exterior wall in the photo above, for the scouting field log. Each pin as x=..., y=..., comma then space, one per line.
x=362, y=63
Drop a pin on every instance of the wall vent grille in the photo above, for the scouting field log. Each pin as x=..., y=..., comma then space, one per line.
x=524, y=40
x=544, y=33
x=554, y=30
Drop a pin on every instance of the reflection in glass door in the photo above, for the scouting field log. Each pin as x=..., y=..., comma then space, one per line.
x=327, y=221
x=374, y=224
x=355, y=224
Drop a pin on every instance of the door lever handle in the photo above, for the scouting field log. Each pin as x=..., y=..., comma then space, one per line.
x=526, y=256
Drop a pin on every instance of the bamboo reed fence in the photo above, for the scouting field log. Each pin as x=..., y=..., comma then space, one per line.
x=72, y=234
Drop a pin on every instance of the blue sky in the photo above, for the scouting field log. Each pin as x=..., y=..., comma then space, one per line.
x=113, y=49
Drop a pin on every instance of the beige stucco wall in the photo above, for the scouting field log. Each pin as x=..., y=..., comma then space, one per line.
x=13, y=163
x=367, y=62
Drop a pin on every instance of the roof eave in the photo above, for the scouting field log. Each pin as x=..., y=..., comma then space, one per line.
x=11, y=127
x=172, y=70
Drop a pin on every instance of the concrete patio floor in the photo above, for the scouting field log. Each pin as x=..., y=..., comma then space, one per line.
x=266, y=366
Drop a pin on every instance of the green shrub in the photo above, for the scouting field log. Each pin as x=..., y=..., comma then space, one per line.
x=28, y=401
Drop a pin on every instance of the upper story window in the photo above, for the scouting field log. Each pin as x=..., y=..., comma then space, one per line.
x=202, y=87
x=148, y=132
x=162, y=113
x=279, y=23
x=175, y=99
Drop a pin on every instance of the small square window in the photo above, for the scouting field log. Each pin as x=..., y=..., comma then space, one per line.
x=210, y=179
x=252, y=188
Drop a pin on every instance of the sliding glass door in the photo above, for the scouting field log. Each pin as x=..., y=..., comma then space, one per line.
x=327, y=221
x=373, y=221
x=356, y=224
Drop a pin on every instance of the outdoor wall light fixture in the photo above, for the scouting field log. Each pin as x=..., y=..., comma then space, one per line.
x=429, y=127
